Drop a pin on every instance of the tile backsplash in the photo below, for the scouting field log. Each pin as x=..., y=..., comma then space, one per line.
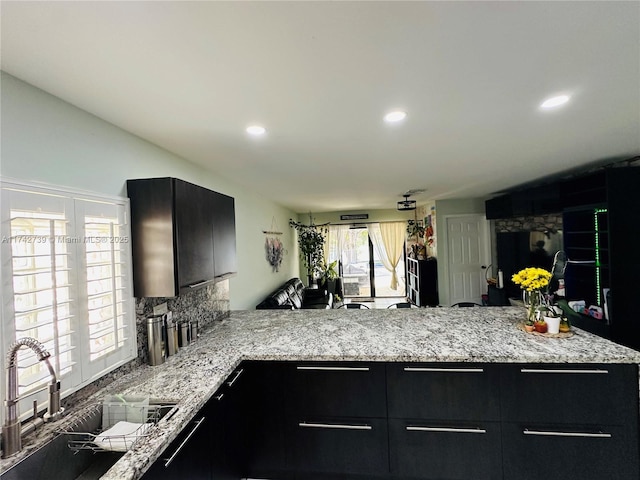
x=205, y=305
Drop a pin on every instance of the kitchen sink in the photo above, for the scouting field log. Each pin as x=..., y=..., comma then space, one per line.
x=62, y=459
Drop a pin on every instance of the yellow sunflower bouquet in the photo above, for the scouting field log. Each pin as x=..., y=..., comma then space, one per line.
x=532, y=281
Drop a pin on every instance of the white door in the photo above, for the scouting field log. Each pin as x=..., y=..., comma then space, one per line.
x=468, y=254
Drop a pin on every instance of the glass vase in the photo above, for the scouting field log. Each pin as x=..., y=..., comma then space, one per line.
x=533, y=302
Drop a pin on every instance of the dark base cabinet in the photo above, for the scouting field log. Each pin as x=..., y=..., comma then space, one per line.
x=213, y=445
x=435, y=450
x=414, y=421
x=337, y=418
x=559, y=452
x=189, y=454
x=570, y=421
x=266, y=454
x=341, y=446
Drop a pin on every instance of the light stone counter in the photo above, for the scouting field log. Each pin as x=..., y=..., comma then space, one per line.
x=408, y=335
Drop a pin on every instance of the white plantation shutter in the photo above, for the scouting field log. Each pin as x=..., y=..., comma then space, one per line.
x=66, y=281
x=104, y=269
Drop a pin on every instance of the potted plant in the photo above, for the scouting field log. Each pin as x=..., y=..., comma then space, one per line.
x=416, y=231
x=328, y=274
x=311, y=243
x=553, y=317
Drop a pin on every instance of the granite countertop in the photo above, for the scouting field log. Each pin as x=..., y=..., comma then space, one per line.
x=409, y=335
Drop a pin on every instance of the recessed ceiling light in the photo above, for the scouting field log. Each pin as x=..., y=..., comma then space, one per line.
x=555, y=101
x=395, y=116
x=256, y=130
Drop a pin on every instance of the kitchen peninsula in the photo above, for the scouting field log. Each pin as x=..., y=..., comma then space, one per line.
x=476, y=352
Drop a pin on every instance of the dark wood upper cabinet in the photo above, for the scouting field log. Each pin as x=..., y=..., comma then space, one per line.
x=193, y=234
x=224, y=235
x=183, y=236
x=538, y=200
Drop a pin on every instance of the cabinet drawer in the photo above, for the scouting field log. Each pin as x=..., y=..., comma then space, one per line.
x=532, y=452
x=444, y=391
x=341, y=445
x=436, y=450
x=339, y=389
x=582, y=394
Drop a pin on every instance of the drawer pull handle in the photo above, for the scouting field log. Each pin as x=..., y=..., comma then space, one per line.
x=184, y=442
x=238, y=373
x=412, y=428
x=575, y=370
x=434, y=369
x=566, y=434
x=219, y=397
x=336, y=369
x=199, y=284
x=335, y=425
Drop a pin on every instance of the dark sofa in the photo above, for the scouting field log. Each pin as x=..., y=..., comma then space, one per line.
x=294, y=295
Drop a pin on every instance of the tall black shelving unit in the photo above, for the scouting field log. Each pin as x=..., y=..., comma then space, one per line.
x=422, y=282
x=601, y=231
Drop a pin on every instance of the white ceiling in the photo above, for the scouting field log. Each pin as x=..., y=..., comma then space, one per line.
x=190, y=76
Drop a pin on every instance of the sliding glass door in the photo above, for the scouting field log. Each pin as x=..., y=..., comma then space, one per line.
x=363, y=272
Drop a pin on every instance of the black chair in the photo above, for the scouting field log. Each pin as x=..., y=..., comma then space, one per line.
x=400, y=305
x=466, y=304
x=355, y=305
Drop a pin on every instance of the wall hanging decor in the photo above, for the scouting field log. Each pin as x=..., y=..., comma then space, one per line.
x=273, y=246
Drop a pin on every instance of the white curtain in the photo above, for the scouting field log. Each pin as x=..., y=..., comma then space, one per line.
x=335, y=241
x=388, y=240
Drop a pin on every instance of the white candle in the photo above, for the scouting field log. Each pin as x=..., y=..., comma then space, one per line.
x=500, y=279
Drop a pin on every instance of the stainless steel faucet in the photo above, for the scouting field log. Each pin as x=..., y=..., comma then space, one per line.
x=11, y=430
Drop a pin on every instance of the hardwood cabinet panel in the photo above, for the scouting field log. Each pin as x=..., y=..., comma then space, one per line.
x=194, y=234
x=451, y=450
x=224, y=235
x=183, y=236
x=188, y=456
x=340, y=445
x=267, y=452
x=338, y=389
x=581, y=394
x=443, y=391
x=534, y=452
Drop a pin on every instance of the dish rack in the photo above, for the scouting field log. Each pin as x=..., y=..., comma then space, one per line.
x=86, y=431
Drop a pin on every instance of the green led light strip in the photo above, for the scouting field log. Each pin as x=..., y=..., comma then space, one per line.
x=596, y=222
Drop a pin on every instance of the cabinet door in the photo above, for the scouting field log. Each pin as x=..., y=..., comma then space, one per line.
x=267, y=455
x=152, y=237
x=340, y=446
x=188, y=456
x=444, y=391
x=233, y=434
x=534, y=452
x=338, y=389
x=194, y=234
x=224, y=234
x=451, y=450
x=580, y=394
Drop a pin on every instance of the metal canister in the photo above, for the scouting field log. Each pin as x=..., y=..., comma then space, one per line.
x=194, y=331
x=172, y=338
x=155, y=341
x=183, y=333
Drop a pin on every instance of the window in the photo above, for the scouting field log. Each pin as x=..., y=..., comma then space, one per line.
x=66, y=281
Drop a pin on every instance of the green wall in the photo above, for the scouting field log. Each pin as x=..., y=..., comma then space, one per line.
x=47, y=140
